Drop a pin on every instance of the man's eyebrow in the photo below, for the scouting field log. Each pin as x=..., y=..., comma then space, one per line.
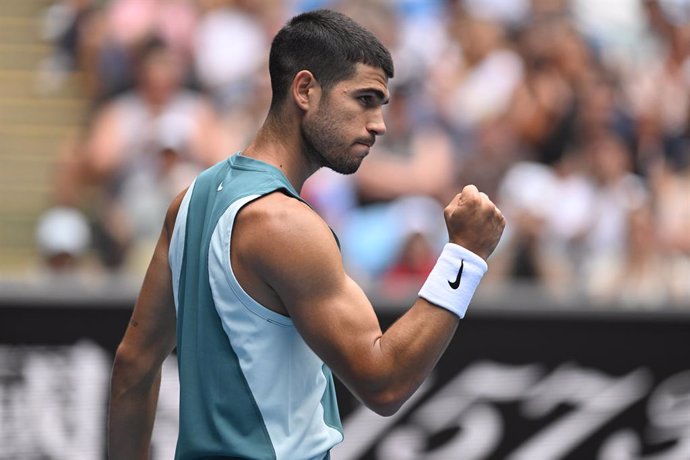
x=380, y=95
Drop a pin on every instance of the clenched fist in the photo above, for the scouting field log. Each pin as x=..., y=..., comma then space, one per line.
x=474, y=222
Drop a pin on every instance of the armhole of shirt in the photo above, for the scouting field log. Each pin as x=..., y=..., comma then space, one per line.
x=177, y=242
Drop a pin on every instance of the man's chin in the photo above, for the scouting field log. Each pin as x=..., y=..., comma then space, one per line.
x=347, y=164
x=347, y=171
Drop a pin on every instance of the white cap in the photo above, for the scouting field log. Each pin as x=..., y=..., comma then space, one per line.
x=63, y=230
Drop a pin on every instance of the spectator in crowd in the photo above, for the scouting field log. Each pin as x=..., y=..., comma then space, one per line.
x=619, y=193
x=63, y=237
x=638, y=276
x=544, y=104
x=671, y=196
x=658, y=92
x=549, y=214
x=63, y=25
x=419, y=235
x=476, y=76
x=146, y=144
x=231, y=47
x=114, y=32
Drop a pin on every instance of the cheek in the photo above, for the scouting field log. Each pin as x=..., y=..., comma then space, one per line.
x=332, y=126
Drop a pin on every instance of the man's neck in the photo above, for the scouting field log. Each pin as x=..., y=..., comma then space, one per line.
x=281, y=146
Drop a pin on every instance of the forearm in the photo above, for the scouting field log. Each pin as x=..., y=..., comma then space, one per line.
x=131, y=415
x=404, y=356
x=410, y=349
x=148, y=340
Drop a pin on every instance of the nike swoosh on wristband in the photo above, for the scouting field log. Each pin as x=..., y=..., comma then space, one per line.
x=456, y=284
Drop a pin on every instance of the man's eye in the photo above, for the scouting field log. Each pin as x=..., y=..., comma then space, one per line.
x=366, y=100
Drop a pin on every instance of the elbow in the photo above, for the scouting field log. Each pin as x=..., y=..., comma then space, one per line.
x=123, y=365
x=381, y=390
x=385, y=410
x=128, y=371
x=384, y=403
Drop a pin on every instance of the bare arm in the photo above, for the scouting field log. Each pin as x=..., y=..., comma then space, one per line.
x=294, y=253
x=149, y=339
x=102, y=146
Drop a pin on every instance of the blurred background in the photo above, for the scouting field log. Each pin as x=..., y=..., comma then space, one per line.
x=572, y=115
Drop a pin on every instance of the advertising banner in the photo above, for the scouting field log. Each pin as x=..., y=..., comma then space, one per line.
x=512, y=385
x=543, y=386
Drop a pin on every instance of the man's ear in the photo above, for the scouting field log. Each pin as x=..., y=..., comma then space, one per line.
x=305, y=90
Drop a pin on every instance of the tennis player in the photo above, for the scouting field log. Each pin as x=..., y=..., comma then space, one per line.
x=248, y=283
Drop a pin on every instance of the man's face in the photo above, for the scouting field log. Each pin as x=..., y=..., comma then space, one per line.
x=339, y=133
x=160, y=75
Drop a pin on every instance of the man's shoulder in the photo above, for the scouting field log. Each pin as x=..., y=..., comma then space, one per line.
x=280, y=220
x=284, y=241
x=281, y=210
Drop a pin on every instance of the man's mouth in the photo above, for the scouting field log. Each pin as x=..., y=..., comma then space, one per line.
x=368, y=142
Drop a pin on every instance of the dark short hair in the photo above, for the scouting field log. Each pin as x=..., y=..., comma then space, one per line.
x=326, y=43
x=148, y=46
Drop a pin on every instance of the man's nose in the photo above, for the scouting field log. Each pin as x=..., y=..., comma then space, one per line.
x=376, y=124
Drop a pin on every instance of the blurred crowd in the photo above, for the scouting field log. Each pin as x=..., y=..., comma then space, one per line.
x=573, y=115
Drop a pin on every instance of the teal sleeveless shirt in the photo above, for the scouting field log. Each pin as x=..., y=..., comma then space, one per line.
x=250, y=387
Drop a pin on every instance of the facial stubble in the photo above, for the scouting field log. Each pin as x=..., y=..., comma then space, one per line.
x=325, y=144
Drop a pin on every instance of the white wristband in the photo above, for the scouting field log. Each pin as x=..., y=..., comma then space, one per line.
x=454, y=278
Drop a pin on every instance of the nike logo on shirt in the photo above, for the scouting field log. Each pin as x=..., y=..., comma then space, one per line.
x=455, y=284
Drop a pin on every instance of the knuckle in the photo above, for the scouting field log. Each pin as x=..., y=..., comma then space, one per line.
x=470, y=190
x=473, y=198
